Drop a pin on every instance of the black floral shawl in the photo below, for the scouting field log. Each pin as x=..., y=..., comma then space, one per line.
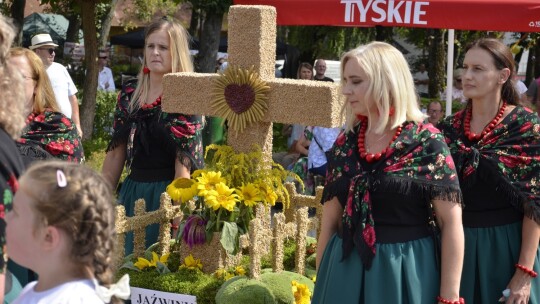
x=418, y=161
x=510, y=153
x=51, y=135
x=179, y=133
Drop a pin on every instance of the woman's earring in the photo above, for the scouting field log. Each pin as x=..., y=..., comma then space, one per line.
x=391, y=112
x=146, y=70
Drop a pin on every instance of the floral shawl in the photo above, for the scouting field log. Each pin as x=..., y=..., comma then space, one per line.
x=510, y=154
x=51, y=134
x=418, y=162
x=179, y=133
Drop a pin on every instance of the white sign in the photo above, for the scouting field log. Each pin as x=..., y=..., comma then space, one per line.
x=399, y=12
x=148, y=296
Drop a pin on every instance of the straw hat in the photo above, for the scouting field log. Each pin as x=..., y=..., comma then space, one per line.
x=40, y=40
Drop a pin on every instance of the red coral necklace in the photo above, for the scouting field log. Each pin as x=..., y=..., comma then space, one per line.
x=488, y=128
x=372, y=157
x=153, y=104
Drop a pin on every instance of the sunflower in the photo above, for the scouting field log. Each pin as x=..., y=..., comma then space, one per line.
x=301, y=293
x=269, y=195
x=143, y=263
x=182, y=189
x=192, y=263
x=240, y=96
x=207, y=181
x=249, y=194
x=222, y=196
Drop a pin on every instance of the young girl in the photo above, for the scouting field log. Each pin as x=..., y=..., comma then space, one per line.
x=62, y=227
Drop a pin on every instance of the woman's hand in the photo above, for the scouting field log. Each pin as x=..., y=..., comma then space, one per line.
x=520, y=288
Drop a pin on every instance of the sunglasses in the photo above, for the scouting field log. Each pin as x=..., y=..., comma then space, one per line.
x=51, y=50
x=104, y=57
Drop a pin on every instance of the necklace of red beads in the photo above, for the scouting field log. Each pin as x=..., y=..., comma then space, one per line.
x=153, y=104
x=489, y=127
x=372, y=157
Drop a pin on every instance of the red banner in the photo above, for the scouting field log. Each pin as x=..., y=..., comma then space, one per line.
x=482, y=15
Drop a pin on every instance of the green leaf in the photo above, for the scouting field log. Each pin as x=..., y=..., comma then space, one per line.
x=131, y=266
x=162, y=268
x=229, y=237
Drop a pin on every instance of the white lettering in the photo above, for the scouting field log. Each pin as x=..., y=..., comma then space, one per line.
x=419, y=12
x=391, y=11
x=376, y=9
x=407, y=18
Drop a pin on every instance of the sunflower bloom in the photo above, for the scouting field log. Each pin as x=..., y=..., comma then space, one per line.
x=208, y=181
x=192, y=263
x=301, y=293
x=182, y=189
x=239, y=270
x=249, y=194
x=222, y=196
x=143, y=263
x=269, y=195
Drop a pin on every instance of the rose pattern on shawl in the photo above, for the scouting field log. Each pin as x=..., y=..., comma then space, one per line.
x=419, y=157
x=511, y=150
x=55, y=133
x=183, y=131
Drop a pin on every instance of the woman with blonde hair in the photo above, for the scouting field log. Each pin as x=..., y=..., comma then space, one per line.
x=48, y=133
x=385, y=171
x=154, y=146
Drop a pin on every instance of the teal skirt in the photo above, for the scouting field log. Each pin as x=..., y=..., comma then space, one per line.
x=151, y=192
x=490, y=256
x=402, y=273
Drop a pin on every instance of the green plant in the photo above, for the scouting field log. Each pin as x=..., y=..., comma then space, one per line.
x=225, y=193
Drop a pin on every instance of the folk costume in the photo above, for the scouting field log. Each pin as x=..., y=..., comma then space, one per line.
x=499, y=175
x=154, y=140
x=50, y=135
x=385, y=253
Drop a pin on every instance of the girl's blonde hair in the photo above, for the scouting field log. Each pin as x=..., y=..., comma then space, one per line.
x=44, y=94
x=82, y=207
x=12, y=107
x=391, y=85
x=181, y=59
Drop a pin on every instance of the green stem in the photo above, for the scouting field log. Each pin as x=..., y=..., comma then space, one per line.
x=218, y=218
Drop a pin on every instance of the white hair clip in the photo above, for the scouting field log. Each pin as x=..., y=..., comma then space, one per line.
x=61, y=178
x=120, y=290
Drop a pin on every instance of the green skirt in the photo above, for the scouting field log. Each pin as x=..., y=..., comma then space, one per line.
x=402, y=273
x=151, y=192
x=490, y=256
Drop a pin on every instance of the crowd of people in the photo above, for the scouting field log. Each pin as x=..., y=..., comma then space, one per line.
x=416, y=208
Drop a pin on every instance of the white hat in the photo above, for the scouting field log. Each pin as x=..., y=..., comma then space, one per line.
x=40, y=40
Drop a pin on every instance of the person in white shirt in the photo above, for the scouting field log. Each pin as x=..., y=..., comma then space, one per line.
x=63, y=87
x=105, y=76
x=62, y=227
x=421, y=81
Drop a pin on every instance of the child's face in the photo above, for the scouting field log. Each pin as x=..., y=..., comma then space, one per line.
x=21, y=238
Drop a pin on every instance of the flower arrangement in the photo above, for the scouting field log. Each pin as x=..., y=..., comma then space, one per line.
x=221, y=197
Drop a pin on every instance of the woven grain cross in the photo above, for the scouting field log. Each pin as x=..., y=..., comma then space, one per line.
x=252, y=43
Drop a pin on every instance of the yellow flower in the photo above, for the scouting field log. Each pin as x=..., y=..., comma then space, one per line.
x=301, y=293
x=143, y=263
x=314, y=279
x=220, y=273
x=182, y=189
x=222, y=196
x=228, y=276
x=269, y=195
x=192, y=263
x=249, y=194
x=239, y=270
x=207, y=182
